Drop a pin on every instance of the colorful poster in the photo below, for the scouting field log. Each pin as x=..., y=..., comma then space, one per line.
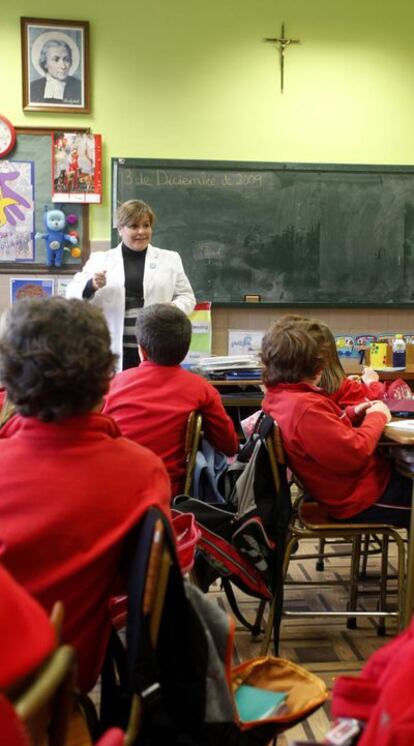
x=61, y=285
x=77, y=167
x=244, y=341
x=16, y=211
x=30, y=287
x=201, y=334
x=364, y=340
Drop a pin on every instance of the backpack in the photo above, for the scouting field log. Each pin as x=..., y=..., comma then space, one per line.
x=243, y=540
x=209, y=467
x=183, y=675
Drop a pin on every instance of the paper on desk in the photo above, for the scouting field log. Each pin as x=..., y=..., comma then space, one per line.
x=388, y=369
x=402, y=424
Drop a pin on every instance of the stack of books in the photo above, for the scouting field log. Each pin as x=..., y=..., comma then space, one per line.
x=230, y=367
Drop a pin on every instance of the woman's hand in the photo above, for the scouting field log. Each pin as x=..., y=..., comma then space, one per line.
x=369, y=375
x=379, y=406
x=99, y=280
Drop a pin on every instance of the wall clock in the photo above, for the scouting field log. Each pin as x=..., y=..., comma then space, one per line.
x=7, y=136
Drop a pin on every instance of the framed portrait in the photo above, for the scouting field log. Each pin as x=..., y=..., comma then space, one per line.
x=55, y=65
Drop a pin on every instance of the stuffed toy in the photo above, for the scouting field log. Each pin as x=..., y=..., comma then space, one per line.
x=55, y=238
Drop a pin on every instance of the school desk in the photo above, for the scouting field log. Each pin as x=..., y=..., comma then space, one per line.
x=352, y=366
x=246, y=397
x=405, y=437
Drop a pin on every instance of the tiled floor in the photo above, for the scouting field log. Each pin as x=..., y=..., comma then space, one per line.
x=324, y=646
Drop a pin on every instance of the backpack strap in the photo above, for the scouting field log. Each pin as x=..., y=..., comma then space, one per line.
x=255, y=629
x=264, y=425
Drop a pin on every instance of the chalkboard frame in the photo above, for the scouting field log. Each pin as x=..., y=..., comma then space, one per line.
x=389, y=169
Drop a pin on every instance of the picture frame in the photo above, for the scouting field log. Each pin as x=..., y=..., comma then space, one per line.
x=55, y=65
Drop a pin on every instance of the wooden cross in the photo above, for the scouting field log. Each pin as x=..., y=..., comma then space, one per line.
x=282, y=43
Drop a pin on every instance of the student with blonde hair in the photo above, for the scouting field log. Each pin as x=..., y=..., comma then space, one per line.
x=347, y=390
x=337, y=463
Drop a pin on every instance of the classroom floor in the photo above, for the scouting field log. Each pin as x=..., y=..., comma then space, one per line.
x=328, y=649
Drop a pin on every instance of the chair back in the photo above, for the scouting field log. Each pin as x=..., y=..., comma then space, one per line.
x=282, y=500
x=151, y=559
x=276, y=454
x=192, y=442
x=46, y=704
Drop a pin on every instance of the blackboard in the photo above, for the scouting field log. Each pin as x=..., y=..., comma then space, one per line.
x=293, y=233
x=34, y=148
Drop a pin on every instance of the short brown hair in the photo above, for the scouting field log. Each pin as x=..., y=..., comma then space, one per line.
x=132, y=211
x=164, y=332
x=293, y=351
x=55, y=357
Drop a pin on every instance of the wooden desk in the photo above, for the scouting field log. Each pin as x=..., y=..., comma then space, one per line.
x=406, y=437
x=242, y=399
x=352, y=366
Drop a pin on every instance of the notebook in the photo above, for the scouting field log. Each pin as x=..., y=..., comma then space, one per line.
x=254, y=703
x=401, y=407
x=403, y=425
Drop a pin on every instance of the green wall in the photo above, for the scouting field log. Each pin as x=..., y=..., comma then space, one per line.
x=194, y=79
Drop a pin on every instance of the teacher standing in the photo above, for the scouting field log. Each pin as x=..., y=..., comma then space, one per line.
x=134, y=274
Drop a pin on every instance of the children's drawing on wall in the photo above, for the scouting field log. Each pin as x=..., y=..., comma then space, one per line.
x=16, y=211
x=30, y=287
x=77, y=169
x=244, y=341
x=61, y=285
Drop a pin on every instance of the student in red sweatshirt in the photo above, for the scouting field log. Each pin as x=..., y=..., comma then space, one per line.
x=151, y=402
x=71, y=487
x=27, y=637
x=347, y=390
x=337, y=464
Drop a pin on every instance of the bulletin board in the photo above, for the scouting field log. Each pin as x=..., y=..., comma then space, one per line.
x=31, y=159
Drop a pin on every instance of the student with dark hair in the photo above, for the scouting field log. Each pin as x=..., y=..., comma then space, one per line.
x=337, y=464
x=71, y=488
x=151, y=402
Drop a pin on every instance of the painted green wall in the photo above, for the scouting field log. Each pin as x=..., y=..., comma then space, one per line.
x=194, y=79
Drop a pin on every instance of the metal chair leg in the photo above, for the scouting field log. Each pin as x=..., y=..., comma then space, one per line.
x=320, y=562
x=353, y=588
x=383, y=584
x=290, y=543
x=365, y=552
x=401, y=582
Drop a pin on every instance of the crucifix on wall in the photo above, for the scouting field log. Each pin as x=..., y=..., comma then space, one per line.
x=282, y=42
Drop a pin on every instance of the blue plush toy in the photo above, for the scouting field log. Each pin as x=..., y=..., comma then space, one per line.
x=55, y=222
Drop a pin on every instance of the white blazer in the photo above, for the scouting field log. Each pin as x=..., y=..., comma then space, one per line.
x=164, y=282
